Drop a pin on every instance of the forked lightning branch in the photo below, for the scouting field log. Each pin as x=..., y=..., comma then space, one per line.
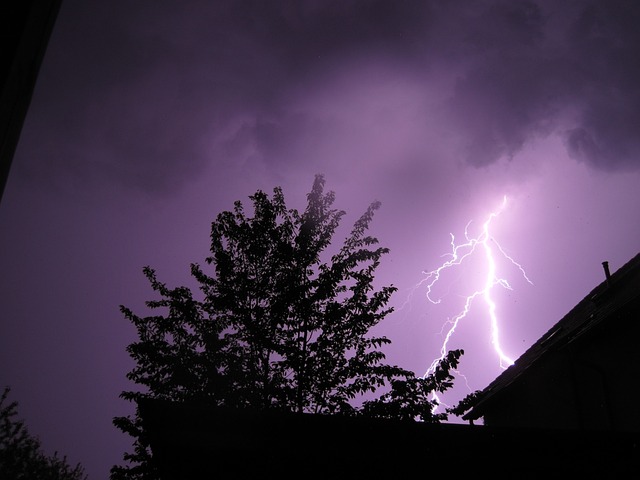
x=483, y=244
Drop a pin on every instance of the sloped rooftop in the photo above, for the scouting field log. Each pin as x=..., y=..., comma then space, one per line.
x=610, y=296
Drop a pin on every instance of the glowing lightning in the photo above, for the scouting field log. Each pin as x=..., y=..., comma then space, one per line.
x=458, y=254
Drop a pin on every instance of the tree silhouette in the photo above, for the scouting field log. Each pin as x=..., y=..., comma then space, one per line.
x=282, y=324
x=21, y=455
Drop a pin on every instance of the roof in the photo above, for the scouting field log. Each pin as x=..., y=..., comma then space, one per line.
x=609, y=297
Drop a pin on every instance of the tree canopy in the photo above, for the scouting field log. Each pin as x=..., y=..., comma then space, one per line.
x=21, y=455
x=280, y=323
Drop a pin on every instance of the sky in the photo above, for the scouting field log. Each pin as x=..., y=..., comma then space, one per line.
x=151, y=117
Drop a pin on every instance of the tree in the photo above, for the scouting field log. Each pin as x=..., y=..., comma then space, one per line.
x=282, y=324
x=466, y=404
x=21, y=455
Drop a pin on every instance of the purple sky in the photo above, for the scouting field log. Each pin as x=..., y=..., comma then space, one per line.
x=151, y=117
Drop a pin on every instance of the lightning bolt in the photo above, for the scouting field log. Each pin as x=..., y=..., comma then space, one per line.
x=484, y=244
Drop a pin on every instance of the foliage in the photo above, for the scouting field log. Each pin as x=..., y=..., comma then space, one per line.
x=409, y=396
x=282, y=324
x=139, y=464
x=465, y=404
x=21, y=456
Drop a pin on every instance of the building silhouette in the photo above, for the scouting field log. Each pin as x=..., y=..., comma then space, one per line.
x=191, y=440
x=583, y=373
x=25, y=28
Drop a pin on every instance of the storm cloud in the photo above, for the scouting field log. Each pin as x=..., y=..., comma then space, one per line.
x=152, y=94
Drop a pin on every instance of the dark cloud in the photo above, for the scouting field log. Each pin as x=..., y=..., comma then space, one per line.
x=606, y=42
x=304, y=33
x=503, y=103
x=130, y=92
x=532, y=71
x=134, y=93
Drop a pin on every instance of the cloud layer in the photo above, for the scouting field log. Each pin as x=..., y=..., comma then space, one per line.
x=153, y=98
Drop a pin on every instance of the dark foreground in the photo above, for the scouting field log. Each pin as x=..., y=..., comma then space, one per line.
x=196, y=441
